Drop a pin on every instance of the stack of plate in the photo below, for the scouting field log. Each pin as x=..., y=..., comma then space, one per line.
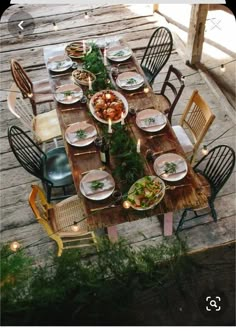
x=130, y=80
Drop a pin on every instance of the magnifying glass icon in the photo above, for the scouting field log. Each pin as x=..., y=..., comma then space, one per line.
x=213, y=303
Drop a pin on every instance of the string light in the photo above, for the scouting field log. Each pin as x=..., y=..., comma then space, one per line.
x=204, y=150
x=126, y=204
x=75, y=227
x=55, y=27
x=222, y=68
x=20, y=35
x=86, y=15
x=30, y=95
x=14, y=246
x=146, y=90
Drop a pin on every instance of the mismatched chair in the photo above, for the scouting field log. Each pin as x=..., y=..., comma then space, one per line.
x=51, y=167
x=196, y=119
x=58, y=220
x=38, y=92
x=171, y=91
x=157, y=53
x=44, y=127
x=213, y=171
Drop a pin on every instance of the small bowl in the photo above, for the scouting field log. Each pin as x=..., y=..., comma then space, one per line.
x=76, y=72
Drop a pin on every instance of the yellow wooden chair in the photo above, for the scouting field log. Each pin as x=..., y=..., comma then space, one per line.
x=59, y=220
x=196, y=118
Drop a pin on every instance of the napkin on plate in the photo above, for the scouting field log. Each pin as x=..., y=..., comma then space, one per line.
x=89, y=130
x=119, y=53
x=153, y=120
x=125, y=82
x=181, y=166
x=62, y=97
x=107, y=185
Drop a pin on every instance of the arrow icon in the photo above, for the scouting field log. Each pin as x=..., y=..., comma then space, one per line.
x=20, y=25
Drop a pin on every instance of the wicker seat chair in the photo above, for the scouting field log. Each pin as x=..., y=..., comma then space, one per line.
x=196, y=118
x=44, y=127
x=38, y=92
x=171, y=91
x=51, y=167
x=64, y=222
x=213, y=171
x=157, y=53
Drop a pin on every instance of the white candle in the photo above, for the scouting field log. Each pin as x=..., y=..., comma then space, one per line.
x=138, y=146
x=109, y=126
x=84, y=47
x=122, y=118
x=105, y=57
x=126, y=204
x=69, y=97
x=90, y=83
x=146, y=90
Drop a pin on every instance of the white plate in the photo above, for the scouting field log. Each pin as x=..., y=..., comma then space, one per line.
x=97, y=175
x=159, y=196
x=111, y=53
x=126, y=76
x=170, y=157
x=119, y=95
x=59, y=63
x=73, y=128
x=77, y=93
x=145, y=114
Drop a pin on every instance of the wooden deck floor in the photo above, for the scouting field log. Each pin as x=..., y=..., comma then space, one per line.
x=135, y=24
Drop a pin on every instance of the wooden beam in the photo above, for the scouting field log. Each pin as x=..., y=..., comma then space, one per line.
x=155, y=7
x=196, y=33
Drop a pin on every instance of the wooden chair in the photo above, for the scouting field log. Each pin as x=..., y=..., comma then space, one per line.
x=58, y=220
x=213, y=171
x=171, y=91
x=44, y=127
x=38, y=92
x=197, y=118
x=51, y=167
x=157, y=53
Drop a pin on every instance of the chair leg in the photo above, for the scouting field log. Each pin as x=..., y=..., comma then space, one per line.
x=181, y=222
x=213, y=211
x=49, y=193
x=33, y=107
x=55, y=142
x=59, y=243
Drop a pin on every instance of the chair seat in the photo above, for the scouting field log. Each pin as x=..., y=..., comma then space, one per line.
x=163, y=102
x=46, y=126
x=183, y=138
x=205, y=188
x=147, y=73
x=42, y=91
x=65, y=213
x=57, y=168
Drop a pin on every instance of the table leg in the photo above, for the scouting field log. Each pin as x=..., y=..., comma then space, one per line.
x=112, y=233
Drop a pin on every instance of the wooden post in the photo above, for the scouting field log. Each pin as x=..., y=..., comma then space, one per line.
x=155, y=8
x=196, y=33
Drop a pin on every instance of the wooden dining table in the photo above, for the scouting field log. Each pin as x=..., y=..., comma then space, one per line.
x=184, y=193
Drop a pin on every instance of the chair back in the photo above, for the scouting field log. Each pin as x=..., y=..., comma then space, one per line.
x=197, y=117
x=20, y=108
x=217, y=166
x=29, y=155
x=40, y=207
x=173, y=83
x=157, y=52
x=21, y=79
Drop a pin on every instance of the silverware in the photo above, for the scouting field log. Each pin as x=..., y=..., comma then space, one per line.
x=86, y=172
x=166, y=175
x=156, y=135
x=168, y=187
x=68, y=109
x=166, y=151
x=65, y=74
x=104, y=207
x=83, y=153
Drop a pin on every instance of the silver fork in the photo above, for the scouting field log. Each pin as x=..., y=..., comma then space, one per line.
x=104, y=207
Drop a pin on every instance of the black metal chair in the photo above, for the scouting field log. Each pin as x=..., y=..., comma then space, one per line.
x=215, y=168
x=171, y=90
x=51, y=167
x=157, y=53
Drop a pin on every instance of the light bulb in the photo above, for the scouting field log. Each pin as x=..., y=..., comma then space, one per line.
x=30, y=95
x=75, y=227
x=126, y=204
x=146, y=90
x=182, y=78
x=86, y=15
x=55, y=27
x=20, y=35
x=14, y=246
x=204, y=150
x=222, y=68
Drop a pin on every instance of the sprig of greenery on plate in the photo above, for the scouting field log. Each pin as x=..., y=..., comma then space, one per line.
x=96, y=184
x=81, y=134
x=170, y=168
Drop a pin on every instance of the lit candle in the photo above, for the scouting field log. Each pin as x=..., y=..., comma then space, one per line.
x=122, y=118
x=14, y=246
x=90, y=83
x=146, y=90
x=138, y=146
x=105, y=57
x=69, y=97
x=84, y=47
x=109, y=126
x=126, y=204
